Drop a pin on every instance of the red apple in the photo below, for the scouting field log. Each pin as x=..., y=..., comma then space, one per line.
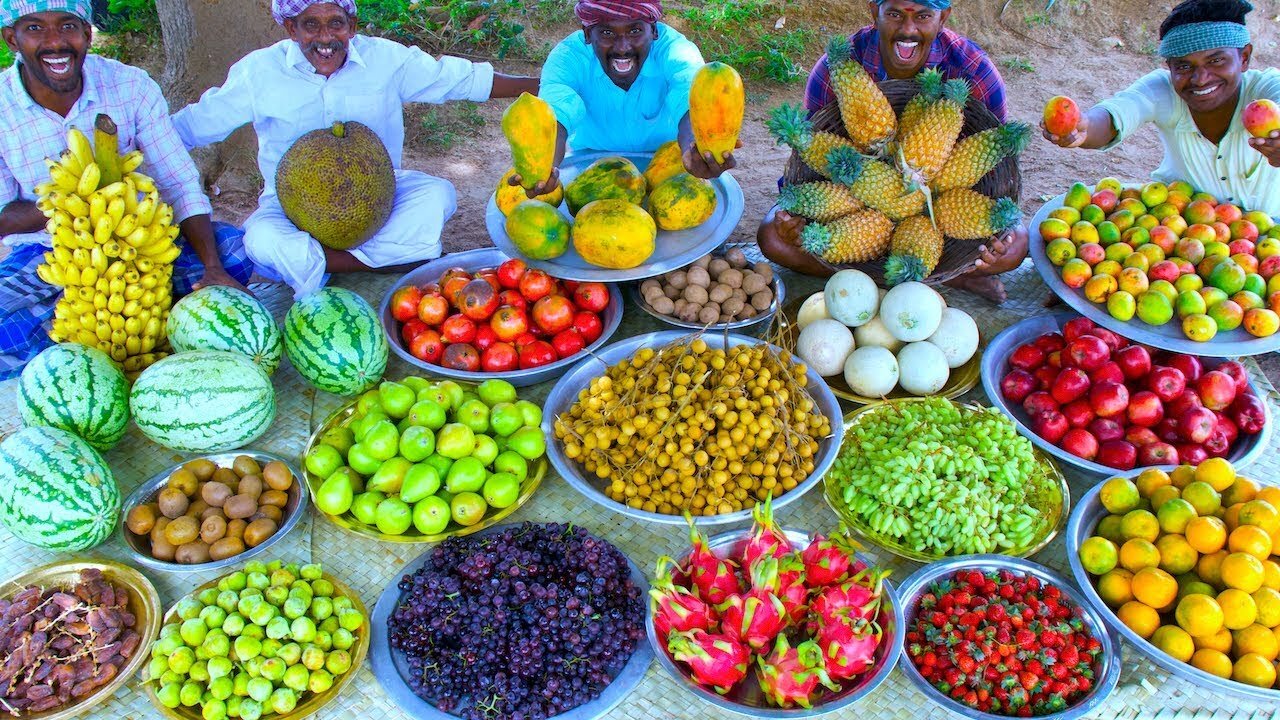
x=1167, y=430
x=509, y=323
x=1039, y=403
x=404, y=303
x=1145, y=409
x=1076, y=327
x=1260, y=117
x=1217, y=389
x=589, y=325
x=1134, y=361
x=1050, y=342
x=1185, y=400
x=1192, y=453
x=485, y=337
x=568, y=343
x=427, y=347
x=1017, y=385
x=535, y=285
x=1026, y=357
x=1248, y=413
x=433, y=308
x=1078, y=413
x=1229, y=427
x=1166, y=270
x=591, y=296
x=1053, y=360
x=1188, y=364
x=458, y=328
x=1197, y=424
x=1114, y=342
x=553, y=314
x=1106, y=429
x=536, y=354
x=1217, y=445
x=1080, y=443
x=510, y=272
x=499, y=357
x=1157, y=453
x=1051, y=426
x=1045, y=375
x=1139, y=436
x=1237, y=373
x=1166, y=382
x=1088, y=352
x=1109, y=372
x=411, y=330
x=1118, y=454
x=461, y=356
x=1071, y=384
x=1109, y=399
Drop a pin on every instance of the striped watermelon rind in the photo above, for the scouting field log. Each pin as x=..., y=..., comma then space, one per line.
x=203, y=401
x=56, y=491
x=334, y=340
x=78, y=389
x=224, y=318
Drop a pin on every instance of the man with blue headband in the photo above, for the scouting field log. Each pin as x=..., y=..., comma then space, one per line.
x=55, y=85
x=1195, y=104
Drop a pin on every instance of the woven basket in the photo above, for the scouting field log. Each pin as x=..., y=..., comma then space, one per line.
x=958, y=256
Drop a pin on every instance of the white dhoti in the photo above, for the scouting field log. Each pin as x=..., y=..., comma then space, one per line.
x=423, y=204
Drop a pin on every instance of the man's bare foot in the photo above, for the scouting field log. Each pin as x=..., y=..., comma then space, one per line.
x=986, y=286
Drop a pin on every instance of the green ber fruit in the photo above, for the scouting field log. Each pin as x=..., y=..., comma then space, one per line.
x=334, y=339
x=532, y=413
x=505, y=418
x=466, y=475
x=321, y=680
x=56, y=492
x=259, y=689
x=496, y=391
x=434, y=393
x=396, y=399
x=224, y=318
x=501, y=490
x=420, y=481
x=512, y=463
x=393, y=516
x=203, y=401
x=296, y=678
x=453, y=391
x=468, y=509
x=283, y=700
x=78, y=389
x=323, y=460
x=339, y=438
x=455, y=441
x=431, y=516
x=381, y=440
x=335, y=494
x=529, y=442
x=170, y=695
x=428, y=414
x=362, y=461
x=417, y=443
x=389, y=477
x=486, y=450
x=365, y=506
x=440, y=463
x=368, y=402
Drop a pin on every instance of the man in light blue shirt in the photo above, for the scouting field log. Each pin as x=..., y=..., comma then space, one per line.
x=621, y=84
x=323, y=73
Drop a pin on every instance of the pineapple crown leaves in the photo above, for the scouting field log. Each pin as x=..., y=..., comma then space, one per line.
x=930, y=83
x=956, y=90
x=1014, y=137
x=789, y=197
x=1005, y=214
x=903, y=268
x=815, y=238
x=839, y=51
x=789, y=126
x=845, y=165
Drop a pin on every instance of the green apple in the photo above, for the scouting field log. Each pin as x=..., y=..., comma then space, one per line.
x=505, y=418
x=486, y=450
x=417, y=443
x=393, y=516
x=369, y=402
x=455, y=440
x=365, y=506
x=468, y=508
x=390, y=476
x=474, y=414
x=323, y=460
x=528, y=441
x=501, y=490
x=466, y=475
x=381, y=440
x=340, y=438
x=431, y=515
x=396, y=398
x=361, y=461
x=428, y=413
x=335, y=494
x=532, y=413
x=421, y=481
x=511, y=463
x=496, y=391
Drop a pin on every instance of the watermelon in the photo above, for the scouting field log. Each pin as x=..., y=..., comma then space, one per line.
x=334, y=339
x=223, y=318
x=56, y=491
x=203, y=401
x=78, y=389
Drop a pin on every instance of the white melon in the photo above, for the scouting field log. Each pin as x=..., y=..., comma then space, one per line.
x=851, y=297
x=912, y=311
x=871, y=371
x=956, y=337
x=824, y=345
x=814, y=308
x=875, y=334
x=922, y=368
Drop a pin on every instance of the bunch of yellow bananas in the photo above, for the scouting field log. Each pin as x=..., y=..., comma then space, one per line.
x=113, y=249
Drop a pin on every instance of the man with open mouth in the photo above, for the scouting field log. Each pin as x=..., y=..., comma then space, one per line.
x=906, y=37
x=621, y=84
x=325, y=72
x=1195, y=103
x=56, y=85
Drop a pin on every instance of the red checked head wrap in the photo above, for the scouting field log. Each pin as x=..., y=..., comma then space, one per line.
x=594, y=12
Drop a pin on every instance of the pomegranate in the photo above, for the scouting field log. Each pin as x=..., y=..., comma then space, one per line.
x=461, y=356
x=509, y=323
x=553, y=313
x=568, y=343
x=404, y=303
x=591, y=296
x=427, y=347
x=535, y=285
x=499, y=357
x=477, y=299
x=433, y=308
x=411, y=330
x=458, y=328
x=485, y=337
x=510, y=272
x=536, y=354
x=588, y=325
x=514, y=299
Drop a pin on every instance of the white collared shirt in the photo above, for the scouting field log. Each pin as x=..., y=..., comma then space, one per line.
x=279, y=92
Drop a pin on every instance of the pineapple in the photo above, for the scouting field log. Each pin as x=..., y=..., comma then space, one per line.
x=969, y=215
x=876, y=183
x=930, y=90
x=859, y=237
x=868, y=117
x=925, y=148
x=975, y=156
x=789, y=126
x=914, y=251
x=821, y=201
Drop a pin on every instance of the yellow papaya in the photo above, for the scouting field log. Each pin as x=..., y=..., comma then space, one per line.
x=530, y=126
x=610, y=177
x=667, y=162
x=716, y=105
x=538, y=230
x=614, y=234
x=508, y=196
x=682, y=202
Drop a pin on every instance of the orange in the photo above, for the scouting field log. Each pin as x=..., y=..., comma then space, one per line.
x=1199, y=615
x=1217, y=472
x=1242, y=572
x=1174, y=514
x=1098, y=555
x=1119, y=495
x=1174, y=641
x=1182, y=476
x=1254, y=670
x=1271, y=574
x=1220, y=641
x=1137, y=554
x=1250, y=539
x=1262, y=514
x=1257, y=640
x=1209, y=568
x=1269, y=494
x=1140, y=524
x=1155, y=587
x=1176, y=556
x=1116, y=587
x=1163, y=495
x=1212, y=662
x=1238, y=609
x=1151, y=479
x=1206, y=534
x=1142, y=619
x=1242, y=490
x=1202, y=497
x=1195, y=587
x=1268, y=602
x=1109, y=528
x=1232, y=516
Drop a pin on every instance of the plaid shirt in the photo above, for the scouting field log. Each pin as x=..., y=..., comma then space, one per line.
x=134, y=102
x=955, y=55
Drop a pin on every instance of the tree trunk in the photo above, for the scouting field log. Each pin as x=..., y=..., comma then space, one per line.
x=178, y=33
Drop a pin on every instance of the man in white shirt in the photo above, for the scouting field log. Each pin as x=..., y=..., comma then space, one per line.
x=323, y=73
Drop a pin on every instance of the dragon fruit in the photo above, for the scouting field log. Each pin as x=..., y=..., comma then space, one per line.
x=785, y=578
x=829, y=561
x=714, y=579
x=715, y=660
x=767, y=539
x=848, y=646
x=675, y=607
x=790, y=675
x=857, y=598
x=755, y=617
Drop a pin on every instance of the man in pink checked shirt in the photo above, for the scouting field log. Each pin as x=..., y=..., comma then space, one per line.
x=54, y=85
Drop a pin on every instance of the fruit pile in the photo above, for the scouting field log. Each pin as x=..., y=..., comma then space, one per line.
x=869, y=206
x=259, y=642
x=1003, y=643
x=113, y=249
x=421, y=454
x=941, y=479
x=1165, y=251
x=1095, y=395
x=206, y=512
x=1188, y=560
x=62, y=644
x=718, y=611
x=906, y=338
x=532, y=621
x=499, y=319
x=691, y=428
x=714, y=289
